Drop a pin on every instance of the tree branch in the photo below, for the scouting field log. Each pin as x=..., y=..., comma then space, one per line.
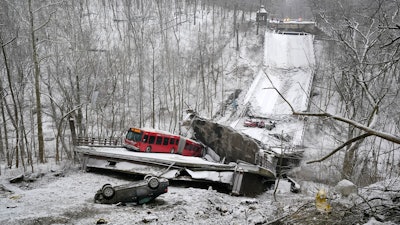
x=8, y=42
x=279, y=93
x=340, y=147
x=383, y=135
x=369, y=130
x=45, y=23
x=390, y=43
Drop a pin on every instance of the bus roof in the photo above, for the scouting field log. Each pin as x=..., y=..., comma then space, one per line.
x=148, y=129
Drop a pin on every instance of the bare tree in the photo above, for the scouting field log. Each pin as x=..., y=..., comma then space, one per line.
x=364, y=78
x=35, y=58
x=15, y=119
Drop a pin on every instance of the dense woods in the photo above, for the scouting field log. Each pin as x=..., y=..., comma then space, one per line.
x=109, y=65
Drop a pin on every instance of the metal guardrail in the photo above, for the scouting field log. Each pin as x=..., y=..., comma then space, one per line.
x=91, y=141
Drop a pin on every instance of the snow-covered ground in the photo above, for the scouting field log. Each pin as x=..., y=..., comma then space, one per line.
x=66, y=196
x=69, y=200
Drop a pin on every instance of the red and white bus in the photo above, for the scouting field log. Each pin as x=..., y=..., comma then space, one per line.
x=151, y=140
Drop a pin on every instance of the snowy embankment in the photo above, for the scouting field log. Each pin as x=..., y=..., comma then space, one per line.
x=69, y=199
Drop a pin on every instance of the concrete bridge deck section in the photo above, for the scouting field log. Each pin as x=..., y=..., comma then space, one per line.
x=289, y=63
x=236, y=176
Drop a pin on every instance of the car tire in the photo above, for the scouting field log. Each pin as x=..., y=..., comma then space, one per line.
x=105, y=186
x=148, y=149
x=108, y=191
x=153, y=182
x=172, y=151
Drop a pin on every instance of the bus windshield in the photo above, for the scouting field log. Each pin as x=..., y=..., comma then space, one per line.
x=134, y=136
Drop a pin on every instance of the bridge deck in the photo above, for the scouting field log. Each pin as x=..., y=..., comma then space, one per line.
x=152, y=158
x=177, y=167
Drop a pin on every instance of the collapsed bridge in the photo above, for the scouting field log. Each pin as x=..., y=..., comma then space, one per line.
x=245, y=165
x=240, y=178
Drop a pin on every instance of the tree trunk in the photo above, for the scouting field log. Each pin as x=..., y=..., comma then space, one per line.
x=37, y=87
x=194, y=12
x=6, y=145
x=14, y=120
x=153, y=83
x=79, y=114
x=234, y=20
x=3, y=149
x=54, y=112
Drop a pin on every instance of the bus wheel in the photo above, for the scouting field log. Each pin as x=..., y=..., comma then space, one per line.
x=148, y=149
x=172, y=151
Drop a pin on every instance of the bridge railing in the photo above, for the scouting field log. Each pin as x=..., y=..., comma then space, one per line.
x=266, y=159
x=96, y=141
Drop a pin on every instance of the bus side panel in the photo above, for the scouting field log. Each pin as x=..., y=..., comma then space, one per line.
x=157, y=147
x=192, y=149
x=156, y=142
x=142, y=144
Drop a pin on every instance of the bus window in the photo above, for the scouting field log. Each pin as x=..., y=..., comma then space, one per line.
x=145, y=138
x=166, y=140
x=172, y=141
x=130, y=135
x=187, y=146
x=159, y=141
x=152, y=139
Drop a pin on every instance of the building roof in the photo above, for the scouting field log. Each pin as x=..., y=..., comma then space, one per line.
x=262, y=9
